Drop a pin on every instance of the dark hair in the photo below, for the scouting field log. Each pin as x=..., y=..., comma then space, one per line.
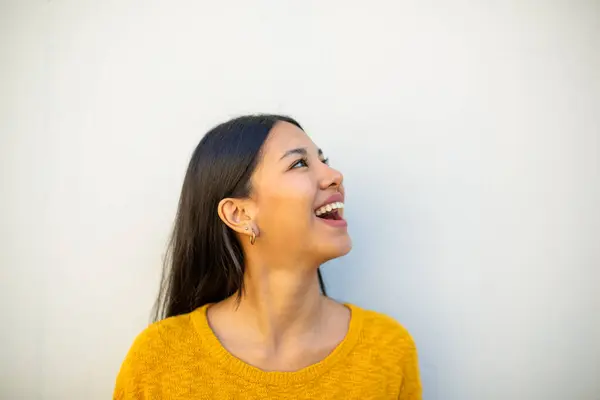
x=204, y=262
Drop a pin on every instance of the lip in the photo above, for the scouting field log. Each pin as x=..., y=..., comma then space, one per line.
x=332, y=199
x=337, y=223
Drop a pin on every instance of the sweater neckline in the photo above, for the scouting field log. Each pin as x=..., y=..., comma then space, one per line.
x=214, y=349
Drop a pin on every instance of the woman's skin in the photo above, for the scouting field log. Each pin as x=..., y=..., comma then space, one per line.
x=282, y=322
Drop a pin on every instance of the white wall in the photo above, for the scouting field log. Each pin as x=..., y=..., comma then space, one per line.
x=469, y=134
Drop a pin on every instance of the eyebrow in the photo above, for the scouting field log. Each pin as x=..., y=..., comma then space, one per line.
x=301, y=150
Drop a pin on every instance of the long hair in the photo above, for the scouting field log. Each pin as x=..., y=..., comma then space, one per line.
x=205, y=262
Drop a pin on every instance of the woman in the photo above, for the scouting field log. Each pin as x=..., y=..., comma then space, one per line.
x=243, y=305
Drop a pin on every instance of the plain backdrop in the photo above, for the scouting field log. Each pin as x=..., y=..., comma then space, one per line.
x=468, y=133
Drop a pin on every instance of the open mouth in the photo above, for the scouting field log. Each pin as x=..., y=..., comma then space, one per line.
x=330, y=211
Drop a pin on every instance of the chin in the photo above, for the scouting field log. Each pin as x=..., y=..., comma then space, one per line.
x=334, y=249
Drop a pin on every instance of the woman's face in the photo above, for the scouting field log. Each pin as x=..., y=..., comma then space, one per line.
x=290, y=186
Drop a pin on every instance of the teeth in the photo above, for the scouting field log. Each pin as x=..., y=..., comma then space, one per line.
x=329, y=207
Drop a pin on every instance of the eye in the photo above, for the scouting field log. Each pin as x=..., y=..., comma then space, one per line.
x=303, y=162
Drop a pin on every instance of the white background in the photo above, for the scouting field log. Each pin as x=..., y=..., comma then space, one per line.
x=468, y=132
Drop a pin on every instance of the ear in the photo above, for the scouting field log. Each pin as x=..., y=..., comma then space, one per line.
x=236, y=214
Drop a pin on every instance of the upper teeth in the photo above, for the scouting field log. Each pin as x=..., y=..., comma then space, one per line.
x=329, y=207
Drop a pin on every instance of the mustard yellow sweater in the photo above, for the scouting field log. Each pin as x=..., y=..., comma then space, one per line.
x=181, y=358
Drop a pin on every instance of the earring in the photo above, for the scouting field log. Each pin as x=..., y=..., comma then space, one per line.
x=253, y=237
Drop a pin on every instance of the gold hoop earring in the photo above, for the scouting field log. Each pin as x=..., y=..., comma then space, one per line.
x=253, y=238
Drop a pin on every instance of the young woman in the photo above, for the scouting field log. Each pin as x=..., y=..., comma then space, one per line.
x=242, y=309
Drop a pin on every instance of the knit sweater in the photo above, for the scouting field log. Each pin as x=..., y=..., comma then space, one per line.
x=181, y=358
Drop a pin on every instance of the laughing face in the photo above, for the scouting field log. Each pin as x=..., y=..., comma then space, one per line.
x=299, y=198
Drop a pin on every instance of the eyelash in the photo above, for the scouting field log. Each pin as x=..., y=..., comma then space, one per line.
x=305, y=161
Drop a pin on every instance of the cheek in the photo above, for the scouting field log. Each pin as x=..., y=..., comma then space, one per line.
x=287, y=205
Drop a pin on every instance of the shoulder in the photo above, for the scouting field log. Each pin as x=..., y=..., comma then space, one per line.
x=163, y=336
x=392, y=348
x=158, y=345
x=381, y=330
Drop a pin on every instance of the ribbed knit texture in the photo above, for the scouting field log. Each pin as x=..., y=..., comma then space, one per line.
x=181, y=358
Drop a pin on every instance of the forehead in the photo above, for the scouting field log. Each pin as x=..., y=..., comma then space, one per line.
x=283, y=137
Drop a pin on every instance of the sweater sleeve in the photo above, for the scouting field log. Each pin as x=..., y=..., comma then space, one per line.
x=411, y=381
x=128, y=385
x=125, y=387
x=138, y=371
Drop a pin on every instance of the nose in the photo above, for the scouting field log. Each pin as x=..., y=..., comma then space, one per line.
x=331, y=178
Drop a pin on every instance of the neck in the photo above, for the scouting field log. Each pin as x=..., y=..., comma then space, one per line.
x=283, y=303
